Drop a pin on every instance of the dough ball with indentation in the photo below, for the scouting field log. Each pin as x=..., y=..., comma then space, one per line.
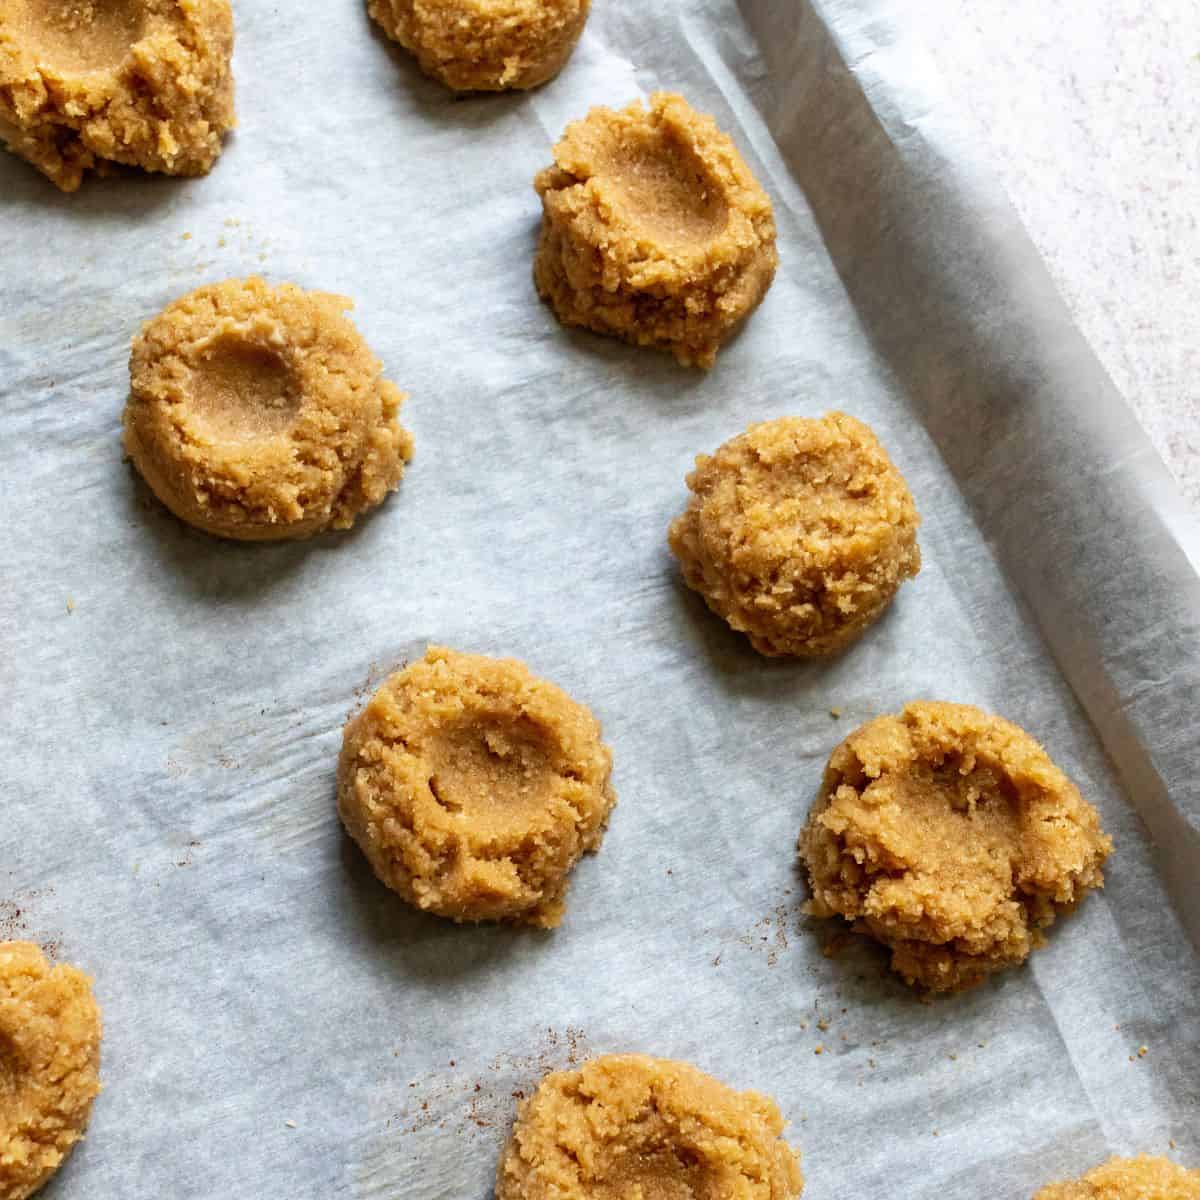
x=1142, y=1178
x=474, y=787
x=87, y=83
x=949, y=836
x=653, y=229
x=259, y=413
x=49, y=1065
x=798, y=533
x=627, y=1126
x=485, y=45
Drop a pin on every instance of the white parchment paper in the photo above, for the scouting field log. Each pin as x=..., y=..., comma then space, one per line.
x=277, y=1024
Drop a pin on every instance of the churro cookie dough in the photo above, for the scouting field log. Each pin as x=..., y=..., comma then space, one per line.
x=950, y=837
x=485, y=45
x=798, y=533
x=474, y=787
x=627, y=1126
x=258, y=412
x=49, y=1065
x=653, y=229
x=84, y=83
x=1141, y=1178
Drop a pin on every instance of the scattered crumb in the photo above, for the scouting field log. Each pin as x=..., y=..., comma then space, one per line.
x=822, y=1024
x=222, y=242
x=70, y=604
x=819, y=1049
x=953, y=1058
x=935, y=1133
x=231, y=223
x=1142, y=1051
x=835, y=713
x=187, y=237
x=1171, y=1144
x=290, y=1124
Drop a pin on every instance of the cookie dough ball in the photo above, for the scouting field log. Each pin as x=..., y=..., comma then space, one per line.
x=798, y=533
x=953, y=839
x=258, y=412
x=474, y=787
x=654, y=230
x=485, y=45
x=1141, y=1178
x=84, y=83
x=628, y=1126
x=49, y=1065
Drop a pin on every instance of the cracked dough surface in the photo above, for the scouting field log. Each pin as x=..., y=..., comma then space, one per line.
x=84, y=83
x=259, y=413
x=485, y=45
x=1141, y=1178
x=949, y=836
x=628, y=1127
x=798, y=533
x=654, y=229
x=474, y=787
x=49, y=1065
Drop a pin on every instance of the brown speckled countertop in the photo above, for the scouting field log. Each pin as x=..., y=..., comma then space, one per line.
x=1090, y=114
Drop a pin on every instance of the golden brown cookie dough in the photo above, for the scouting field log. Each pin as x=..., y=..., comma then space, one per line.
x=258, y=412
x=653, y=229
x=84, y=83
x=49, y=1065
x=628, y=1127
x=798, y=532
x=951, y=837
x=485, y=45
x=1141, y=1178
x=474, y=787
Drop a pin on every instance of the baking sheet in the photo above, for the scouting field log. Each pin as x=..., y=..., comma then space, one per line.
x=277, y=1024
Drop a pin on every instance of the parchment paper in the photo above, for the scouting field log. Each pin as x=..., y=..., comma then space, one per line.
x=277, y=1024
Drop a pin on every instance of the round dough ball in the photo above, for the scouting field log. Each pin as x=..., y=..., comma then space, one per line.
x=474, y=787
x=84, y=83
x=799, y=533
x=627, y=1125
x=1141, y=1178
x=951, y=836
x=485, y=45
x=654, y=230
x=49, y=1065
x=258, y=412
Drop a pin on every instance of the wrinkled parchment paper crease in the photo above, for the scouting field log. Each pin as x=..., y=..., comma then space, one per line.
x=277, y=1024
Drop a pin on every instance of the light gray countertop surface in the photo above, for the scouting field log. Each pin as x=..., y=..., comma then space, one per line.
x=1090, y=115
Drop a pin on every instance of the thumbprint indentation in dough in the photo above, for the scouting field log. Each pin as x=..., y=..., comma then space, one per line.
x=493, y=771
x=671, y=1172
x=663, y=188
x=80, y=35
x=244, y=391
